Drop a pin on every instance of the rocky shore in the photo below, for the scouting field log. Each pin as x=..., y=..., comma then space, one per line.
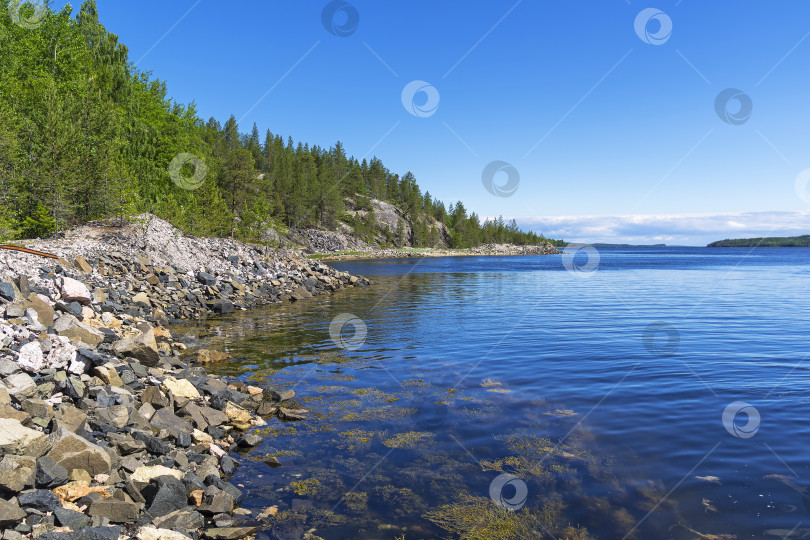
x=109, y=427
x=486, y=249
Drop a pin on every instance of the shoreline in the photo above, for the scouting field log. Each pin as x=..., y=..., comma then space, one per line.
x=486, y=250
x=109, y=426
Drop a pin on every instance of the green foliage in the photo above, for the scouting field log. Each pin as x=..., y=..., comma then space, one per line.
x=85, y=135
x=771, y=241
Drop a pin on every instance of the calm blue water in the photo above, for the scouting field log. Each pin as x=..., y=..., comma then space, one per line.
x=468, y=351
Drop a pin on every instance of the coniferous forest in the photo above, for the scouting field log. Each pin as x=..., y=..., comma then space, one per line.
x=84, y=135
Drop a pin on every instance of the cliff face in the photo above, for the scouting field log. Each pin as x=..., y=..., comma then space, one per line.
x=391, y=228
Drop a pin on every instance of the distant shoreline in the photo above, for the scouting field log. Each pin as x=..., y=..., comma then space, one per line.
x=401, y=253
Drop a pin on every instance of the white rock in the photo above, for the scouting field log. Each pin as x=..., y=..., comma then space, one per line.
x=145, y=473
x=75, y=291
x=63, y=354
x=180, y=388
x=149, y=532
x=31, y=357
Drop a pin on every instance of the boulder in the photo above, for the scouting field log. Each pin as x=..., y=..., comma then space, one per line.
x=10, y=513
x=165, y=494
x=145, y=474
x=17, y=473
x=31, y=358
x=143, y=348
x=73, y=452
x=69, y=326
x=39, y=499
x=20, y=386
x=229, y=533
x=70, y=518
x=216, y=501
x=151, y=533
x=74, y=291
x=50, y=474
x=179, y=388
x=19, y=440
x=6, y=291
x=115, y=510
x=69, y=418
x=300, y=293
x=44, y=310
x=81, y=264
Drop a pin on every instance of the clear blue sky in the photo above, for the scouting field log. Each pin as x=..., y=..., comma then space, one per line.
x=632, y=147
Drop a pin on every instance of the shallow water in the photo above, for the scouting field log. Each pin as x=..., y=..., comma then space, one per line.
x=625, y=371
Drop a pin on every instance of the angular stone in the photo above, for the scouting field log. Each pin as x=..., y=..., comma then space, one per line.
x=19, y=440
x=280, y=395
x=6, y=291
x=145, y=474
x=143, y=348
x=115, y=510
x=10, y=513
x=216, y=501
x=180, y=388
x=70, y=518
x=153, y=396
x=44, y=310
x=70, y=418
x=31, y=358
x=117, y=415
x=141, y=298
x=213, y=417
x=63, y=355
x=237, y=414
x=300, y=293
x=39, y=499
x=73, y=452
x=206, y=279
x=165, y=419
x=20, y=386
x=38, y=408
x=229, y=533
x=188, y=520
x=164, y=495
x=222, y=307
x=151, y=533
x=74, y=291
x=108, y=375
x=17, y=472
x=70, y=327
x=153, y=444
x=292, y=414
x=81, y=264
x=49, y=473
x=7, y=411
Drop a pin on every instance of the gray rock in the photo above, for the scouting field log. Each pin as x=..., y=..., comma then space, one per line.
x=20, y=440
x=70, y=327
x=165, y=419
x=187, y=519
x=20, y=386
x=115, y=510
x=216, y=501
x=153, y=396
x=6, y=291
x=71, y=518
x=228, y=465
x=280, y=395
x=73, y=452
x=70, y=418
x=17, y=473
x=143, y=348
x=49, y=473
x=229, y=533
x=39, y=499
x=164, y=495
x=11, y=514
x=206, y=279
x=222, y=307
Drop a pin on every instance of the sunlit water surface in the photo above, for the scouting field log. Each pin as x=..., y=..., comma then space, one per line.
x=474, y=366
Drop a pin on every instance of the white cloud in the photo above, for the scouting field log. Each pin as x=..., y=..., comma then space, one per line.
x=674, y=229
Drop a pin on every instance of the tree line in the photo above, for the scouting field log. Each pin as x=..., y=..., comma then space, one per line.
x=85, y=135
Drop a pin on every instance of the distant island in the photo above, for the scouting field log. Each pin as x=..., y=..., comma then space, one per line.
x=771, y=241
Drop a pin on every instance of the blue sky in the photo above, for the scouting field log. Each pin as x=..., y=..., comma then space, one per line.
x=614, y=138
